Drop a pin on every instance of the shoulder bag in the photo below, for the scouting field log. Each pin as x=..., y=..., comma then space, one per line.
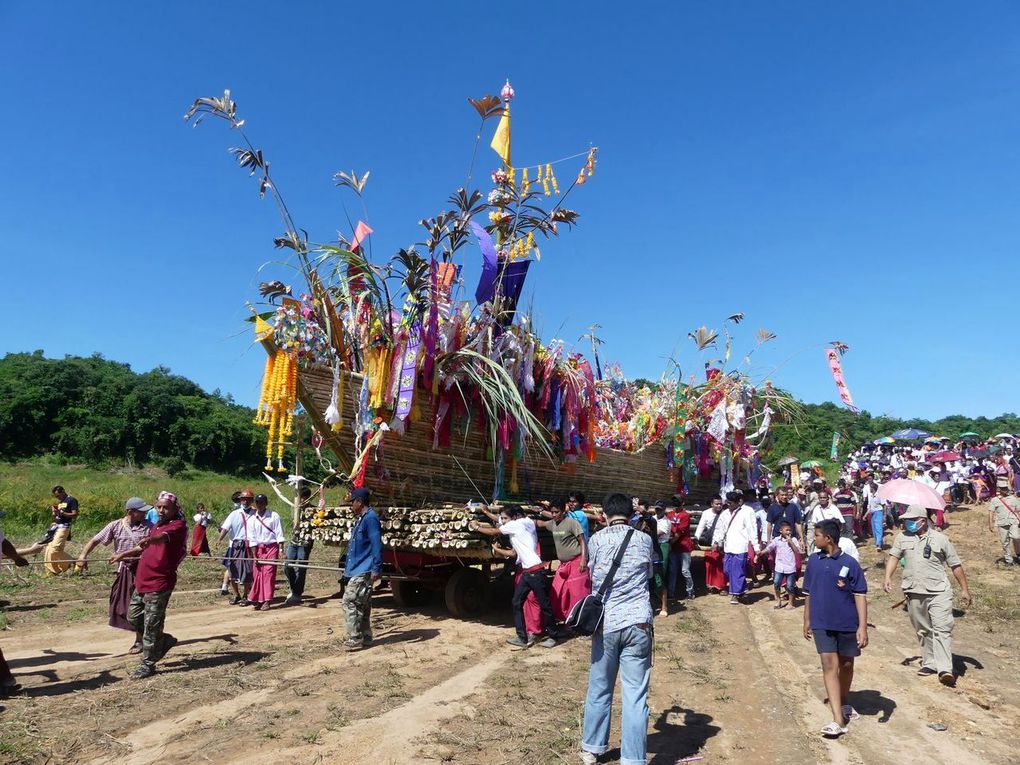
x=586, y=615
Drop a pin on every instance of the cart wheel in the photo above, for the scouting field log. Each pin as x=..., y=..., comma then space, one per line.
x=409, y=594
x=467, y=593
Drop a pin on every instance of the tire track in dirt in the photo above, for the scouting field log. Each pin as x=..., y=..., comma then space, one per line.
x=789, y=658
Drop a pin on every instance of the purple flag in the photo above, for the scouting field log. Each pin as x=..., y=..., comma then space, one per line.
x=408, y=373
x=490, y=266
x=511, y=284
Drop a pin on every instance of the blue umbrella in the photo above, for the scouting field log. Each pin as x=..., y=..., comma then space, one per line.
x=910, y=434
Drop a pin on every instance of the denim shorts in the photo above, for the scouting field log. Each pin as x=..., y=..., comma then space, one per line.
x=790, y=579
x=832, y=641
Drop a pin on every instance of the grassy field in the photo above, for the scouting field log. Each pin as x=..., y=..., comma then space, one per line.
x=25, y=496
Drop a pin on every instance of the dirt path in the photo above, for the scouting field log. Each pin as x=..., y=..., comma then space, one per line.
x=730, y=683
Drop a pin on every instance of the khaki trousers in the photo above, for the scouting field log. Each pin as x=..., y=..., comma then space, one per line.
x=57, y=561
x=1008, y=537
x=932, y=618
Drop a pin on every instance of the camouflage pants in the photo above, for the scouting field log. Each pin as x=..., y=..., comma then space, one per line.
x=147, y=613
x=358, y=608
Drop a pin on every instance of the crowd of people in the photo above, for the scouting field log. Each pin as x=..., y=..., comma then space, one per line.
x=634, y=555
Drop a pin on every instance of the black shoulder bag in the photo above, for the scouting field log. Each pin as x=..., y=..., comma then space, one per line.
x=586, y=615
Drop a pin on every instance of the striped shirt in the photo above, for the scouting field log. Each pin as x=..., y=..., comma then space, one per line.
x=124, y=537
x=627, y=602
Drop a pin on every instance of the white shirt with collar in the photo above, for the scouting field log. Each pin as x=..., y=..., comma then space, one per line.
x=264, y=529
x=744, y=531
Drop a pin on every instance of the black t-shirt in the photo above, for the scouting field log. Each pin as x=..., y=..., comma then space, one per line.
x=791, y=514
x=69, y=504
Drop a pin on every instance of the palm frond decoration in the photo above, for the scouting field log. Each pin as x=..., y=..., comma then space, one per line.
x=839, y=346
x=498, y=393
x=487, y=106
x=351, y=181
x=703, y=337
x=736, y=318
x=764, y=336
x=223, y=108
x=274, y=289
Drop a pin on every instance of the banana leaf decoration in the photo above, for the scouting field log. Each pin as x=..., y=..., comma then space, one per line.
x=839, y=346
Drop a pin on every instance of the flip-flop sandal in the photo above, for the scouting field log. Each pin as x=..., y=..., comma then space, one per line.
x=778, y=606
x=849, y=713
x=832, y=730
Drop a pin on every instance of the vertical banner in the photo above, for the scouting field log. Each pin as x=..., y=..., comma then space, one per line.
x=833, y=453
x=837, y=376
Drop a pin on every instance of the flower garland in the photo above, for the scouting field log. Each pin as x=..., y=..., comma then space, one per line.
x=276, y=404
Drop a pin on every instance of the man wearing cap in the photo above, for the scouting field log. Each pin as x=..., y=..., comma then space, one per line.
x=124, y=534
x=362, y=569
x=239, y=554
x=159, y=554
x=924, y=553
x=265, y=536
x=1004, y=519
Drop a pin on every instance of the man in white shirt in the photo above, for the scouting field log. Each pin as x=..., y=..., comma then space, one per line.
x=238, y=557
x=736, y=531
x=523, y=535
x=822, y=510
x=265, y=535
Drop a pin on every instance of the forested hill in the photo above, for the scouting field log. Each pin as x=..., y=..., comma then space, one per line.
x=96, y=411
x=811, y=437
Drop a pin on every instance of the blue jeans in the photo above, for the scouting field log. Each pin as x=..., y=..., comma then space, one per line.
x=627, y=652
x=878, y=527
x=295, y=575
x=680, y=562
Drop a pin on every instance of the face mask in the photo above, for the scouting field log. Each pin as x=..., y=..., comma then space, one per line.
x=911, y=526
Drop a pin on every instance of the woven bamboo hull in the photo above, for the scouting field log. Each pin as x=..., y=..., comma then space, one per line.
x=411, y=472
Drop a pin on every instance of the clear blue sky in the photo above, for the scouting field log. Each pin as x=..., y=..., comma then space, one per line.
x=833, y=170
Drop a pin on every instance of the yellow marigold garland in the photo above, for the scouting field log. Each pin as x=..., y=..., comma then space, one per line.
x=276, y=404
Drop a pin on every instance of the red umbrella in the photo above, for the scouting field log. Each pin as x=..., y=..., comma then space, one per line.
x=946, y=456
x=910, y=492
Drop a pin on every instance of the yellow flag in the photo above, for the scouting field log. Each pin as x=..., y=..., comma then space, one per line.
x=501, y=140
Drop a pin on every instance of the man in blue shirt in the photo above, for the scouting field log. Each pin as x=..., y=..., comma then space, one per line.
x=836, y=616
x=575, y=509
x=362, y=570
x=785, y=510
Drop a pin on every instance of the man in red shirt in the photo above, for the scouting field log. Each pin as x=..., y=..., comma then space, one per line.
x=159, y=555
x=681, y=544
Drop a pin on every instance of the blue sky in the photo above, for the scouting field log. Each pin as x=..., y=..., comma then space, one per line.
x=834, y=171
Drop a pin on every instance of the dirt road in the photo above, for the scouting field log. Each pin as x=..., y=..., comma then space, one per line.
x=730, y=683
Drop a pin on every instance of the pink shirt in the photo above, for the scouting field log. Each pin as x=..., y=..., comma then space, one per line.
x=785, y=550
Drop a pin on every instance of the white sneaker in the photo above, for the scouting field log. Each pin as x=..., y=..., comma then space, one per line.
x=588, y=758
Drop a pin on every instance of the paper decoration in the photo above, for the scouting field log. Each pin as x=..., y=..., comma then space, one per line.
x=486, y=289
x=717, y=424
x=361, y=232
x=837, y=376
x=408, y=373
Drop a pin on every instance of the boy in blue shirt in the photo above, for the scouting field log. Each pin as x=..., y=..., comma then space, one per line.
x=836, y=616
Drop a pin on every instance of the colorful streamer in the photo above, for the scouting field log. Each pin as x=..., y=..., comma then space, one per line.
x=837, y=376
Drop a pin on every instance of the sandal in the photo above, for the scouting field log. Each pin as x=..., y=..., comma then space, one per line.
x=833, y=730
x=777, y=606
x=850, y=714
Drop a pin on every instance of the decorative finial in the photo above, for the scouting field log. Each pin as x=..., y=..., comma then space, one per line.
x=507, y=92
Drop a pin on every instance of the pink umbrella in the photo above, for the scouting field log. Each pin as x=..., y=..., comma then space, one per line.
x=945, y=456
x=910, y=492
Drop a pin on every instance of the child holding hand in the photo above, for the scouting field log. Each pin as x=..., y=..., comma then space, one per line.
x=786, y=548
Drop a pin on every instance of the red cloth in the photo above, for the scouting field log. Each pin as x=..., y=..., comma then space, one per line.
x=157, y=566
x=714, y=576
x=199, y=541
x=263, y=583
x=532, y=611
x=680, y=521
x=569, y=585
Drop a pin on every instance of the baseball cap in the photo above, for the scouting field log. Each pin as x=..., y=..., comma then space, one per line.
x=137, y=503
x=363, y=494
x=261, y=498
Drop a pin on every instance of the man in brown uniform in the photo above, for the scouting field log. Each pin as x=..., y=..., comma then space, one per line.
x=924, y=553
x=1004, y=518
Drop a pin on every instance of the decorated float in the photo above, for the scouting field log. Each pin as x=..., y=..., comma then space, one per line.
x=433, y=397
